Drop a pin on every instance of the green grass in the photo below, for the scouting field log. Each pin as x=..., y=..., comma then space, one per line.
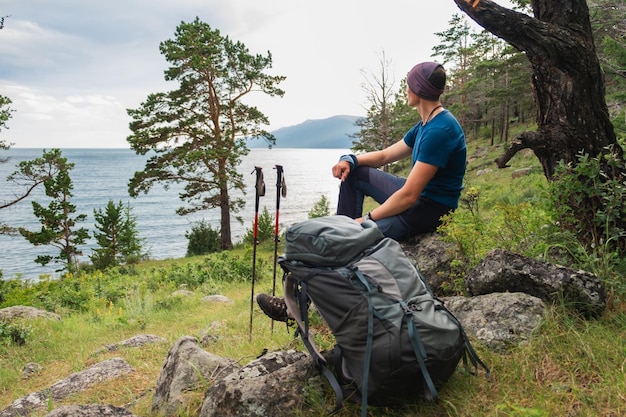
x=570, y=367
x=73, y=344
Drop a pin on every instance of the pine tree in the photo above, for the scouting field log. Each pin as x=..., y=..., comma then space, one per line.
x=58, y=227
x=117, y=236
x=196, y=134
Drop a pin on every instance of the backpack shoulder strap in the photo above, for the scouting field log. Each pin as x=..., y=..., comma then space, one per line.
x=370, y=339
x=298, y=309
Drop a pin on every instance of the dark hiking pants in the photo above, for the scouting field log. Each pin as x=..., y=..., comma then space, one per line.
x=422, y=217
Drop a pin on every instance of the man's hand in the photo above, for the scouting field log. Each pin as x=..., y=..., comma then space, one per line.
x=341, y=170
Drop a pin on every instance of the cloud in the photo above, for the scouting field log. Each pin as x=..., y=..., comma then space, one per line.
x=30, y=51
x=54, y=119
x=73, y=67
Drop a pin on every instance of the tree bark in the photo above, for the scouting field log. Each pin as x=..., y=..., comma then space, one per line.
x=567, y=82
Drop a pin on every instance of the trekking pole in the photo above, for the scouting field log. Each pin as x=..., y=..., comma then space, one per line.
x=259, y=191
x=281, y=190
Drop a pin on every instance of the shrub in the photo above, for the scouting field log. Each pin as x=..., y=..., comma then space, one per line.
x=11, y=333
x=203, y=239
x=518, y=227
x=588, y=200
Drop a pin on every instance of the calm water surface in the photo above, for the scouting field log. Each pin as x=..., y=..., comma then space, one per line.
x=100, y=175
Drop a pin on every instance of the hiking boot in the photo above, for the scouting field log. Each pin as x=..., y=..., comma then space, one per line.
x=273, y=307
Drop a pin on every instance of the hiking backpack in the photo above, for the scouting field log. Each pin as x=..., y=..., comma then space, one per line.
x=394, y=339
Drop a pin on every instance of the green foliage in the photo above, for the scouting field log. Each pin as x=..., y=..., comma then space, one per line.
x=14, y=333
x=321, y=208
x=58, y=227
x=488, y=84
x=512, y=410
x=211, y=274
x=478, y=226
x=544, y=219
x=588, y=201
x=607, y=19
x=5, y=115
x=117, y=236
x=265, y=228
x=86, y=291
x=203, y=239
x=198, y=131
x=29, y=176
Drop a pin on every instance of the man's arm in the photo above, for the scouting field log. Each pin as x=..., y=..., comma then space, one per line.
x=395, y=152
x=405, y=197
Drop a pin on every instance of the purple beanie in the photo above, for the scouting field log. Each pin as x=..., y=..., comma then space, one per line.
x=420, y=82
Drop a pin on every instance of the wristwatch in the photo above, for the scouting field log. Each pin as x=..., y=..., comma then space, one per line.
x=368, y=216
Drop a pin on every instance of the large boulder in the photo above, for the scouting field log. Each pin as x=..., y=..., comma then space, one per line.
x=500, y=320
x=186, y=368
x=503, y=271
x=273, y=385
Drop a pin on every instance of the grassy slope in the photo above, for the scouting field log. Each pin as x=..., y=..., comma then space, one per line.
x=571, y=367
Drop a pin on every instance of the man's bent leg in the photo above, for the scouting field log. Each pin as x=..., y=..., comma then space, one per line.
x=366, y=181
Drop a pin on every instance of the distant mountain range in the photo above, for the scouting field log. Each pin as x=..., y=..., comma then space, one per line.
x=331, y=133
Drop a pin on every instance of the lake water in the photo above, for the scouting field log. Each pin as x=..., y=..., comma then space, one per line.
x=100, y=175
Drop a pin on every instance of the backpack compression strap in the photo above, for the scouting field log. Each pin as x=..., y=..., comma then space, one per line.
x=469, y=353
x=307, y=339
x=420, y=353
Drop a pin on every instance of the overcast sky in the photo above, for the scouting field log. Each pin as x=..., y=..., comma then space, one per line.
x=73, y=67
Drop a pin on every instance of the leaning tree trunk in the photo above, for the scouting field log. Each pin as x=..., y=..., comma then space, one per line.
x=567, y=81
x=572, y=115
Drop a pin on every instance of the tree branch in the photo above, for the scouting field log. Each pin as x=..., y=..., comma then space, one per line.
x=523, y=141
x=543, y=36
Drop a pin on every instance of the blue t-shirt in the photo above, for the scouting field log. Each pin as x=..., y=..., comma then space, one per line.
x=441, y=142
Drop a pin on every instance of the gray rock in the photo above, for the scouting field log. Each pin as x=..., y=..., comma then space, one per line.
x=133, y=342
x=182, y=293
x=499, y=320
x=94, y=410
x=522, y=172
x=272, y=385
x=216, y=298
x=79, y=381
x=25, y=312
x=31, y=369
x=434, y=259
x=186, y=368
x=502, y=271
